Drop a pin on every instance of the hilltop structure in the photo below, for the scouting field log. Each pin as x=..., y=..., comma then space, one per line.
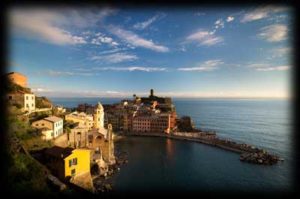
x=17, y=78
x=18, y=94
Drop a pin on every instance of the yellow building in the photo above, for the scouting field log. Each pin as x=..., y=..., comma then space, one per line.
x=68, y=162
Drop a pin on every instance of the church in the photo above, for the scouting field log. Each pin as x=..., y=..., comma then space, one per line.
x=90, y=133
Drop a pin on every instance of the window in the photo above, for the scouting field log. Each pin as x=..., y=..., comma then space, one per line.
x=73, y=172
x=70, y=163
x=43, y=124
x=32, y=105
x=26, y=97
x=52, y=134
x=10, y=97
x=75, y=161
x=32, y=97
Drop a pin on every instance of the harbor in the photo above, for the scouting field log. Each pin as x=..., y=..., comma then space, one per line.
x=248, y=153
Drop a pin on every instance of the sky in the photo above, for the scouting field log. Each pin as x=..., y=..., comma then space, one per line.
x=179, y=52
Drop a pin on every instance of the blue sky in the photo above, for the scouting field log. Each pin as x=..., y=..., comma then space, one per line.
x=188, y=52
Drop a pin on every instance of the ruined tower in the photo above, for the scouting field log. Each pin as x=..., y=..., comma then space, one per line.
x=99, y=116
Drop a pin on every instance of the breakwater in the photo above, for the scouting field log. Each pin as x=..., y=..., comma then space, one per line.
x=248, y=153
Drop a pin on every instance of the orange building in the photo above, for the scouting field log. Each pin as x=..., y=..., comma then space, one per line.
x=18, y=78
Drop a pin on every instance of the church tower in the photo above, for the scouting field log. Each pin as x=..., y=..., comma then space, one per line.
x=99, y=116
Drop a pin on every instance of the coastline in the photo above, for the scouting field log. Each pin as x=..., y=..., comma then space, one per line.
x=247, y=152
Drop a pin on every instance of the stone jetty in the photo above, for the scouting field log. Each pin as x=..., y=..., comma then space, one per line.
x=249, y=153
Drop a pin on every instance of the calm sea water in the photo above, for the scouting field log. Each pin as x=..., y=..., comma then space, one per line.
x=158, y=164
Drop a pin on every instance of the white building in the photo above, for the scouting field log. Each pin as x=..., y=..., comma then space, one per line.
x=29, y=102
x=51, y=127
x=25, y=99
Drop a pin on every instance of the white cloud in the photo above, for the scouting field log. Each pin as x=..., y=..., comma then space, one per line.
x=274, y=33
x=136, y=40
x=145, y=24
x=131, y=68
x=268, y=67
x=260, y=13
x=101, y=38
x=51, y=25
x=68, y=73
x=219, y=23
x=230, y=18
x=276, y=68
x=209, y=65
x=205, y=38
x=115, y=58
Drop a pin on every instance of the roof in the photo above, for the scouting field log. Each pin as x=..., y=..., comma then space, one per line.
x=59, y=152
x=53, y=119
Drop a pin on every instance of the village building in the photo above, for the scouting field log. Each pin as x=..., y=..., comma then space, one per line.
x=93, y=136
x=101, y=140
x=17, y=78
x=77, y=137
x=83, y=119
x=70, y=164
x=26, y=100
x=50, y=127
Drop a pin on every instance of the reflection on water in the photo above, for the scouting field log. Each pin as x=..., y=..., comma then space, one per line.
x=169, y=148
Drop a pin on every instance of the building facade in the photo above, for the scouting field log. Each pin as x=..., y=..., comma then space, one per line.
x=67, y=162
x=25, y=100
x=82, y=118
x=53, y=123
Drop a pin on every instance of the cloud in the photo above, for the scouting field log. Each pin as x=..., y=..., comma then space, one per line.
x=209, y=65
x=102, y=39
x=268, y=67
x=205, y=38
x=115, y=58
x=219, y=24
x=273, y=33
x=68, y=73
x=280, y=52
x=145, y=24
x=131, y=68
x=260, y=13
x=229, y=19
x=51, y=26
x=136, y=40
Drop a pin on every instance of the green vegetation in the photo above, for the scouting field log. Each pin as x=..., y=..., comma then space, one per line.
x=25, y=174
x=42, y=102
x=12, y=87
x=39, y=115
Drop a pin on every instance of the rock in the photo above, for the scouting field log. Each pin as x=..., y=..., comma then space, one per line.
x=108, y=187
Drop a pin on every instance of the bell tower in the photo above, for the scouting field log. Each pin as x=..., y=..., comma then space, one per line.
x=99, y=116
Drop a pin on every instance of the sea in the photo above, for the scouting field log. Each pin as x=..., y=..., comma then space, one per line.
x=161, y=164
